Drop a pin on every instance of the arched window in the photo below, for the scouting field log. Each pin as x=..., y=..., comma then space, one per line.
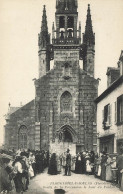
x=23, y=137
x=66, y=102
x=61, y=22
x=70, y=21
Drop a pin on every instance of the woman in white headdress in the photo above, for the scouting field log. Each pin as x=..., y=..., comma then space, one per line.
x=88, y=164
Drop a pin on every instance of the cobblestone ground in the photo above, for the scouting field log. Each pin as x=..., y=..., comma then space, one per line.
x=75, y=184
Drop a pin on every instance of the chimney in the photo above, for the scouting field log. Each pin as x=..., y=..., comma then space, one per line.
x=113, y=74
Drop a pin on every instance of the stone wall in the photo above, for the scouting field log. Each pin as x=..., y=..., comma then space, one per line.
x=25, y=116
x=83, y=89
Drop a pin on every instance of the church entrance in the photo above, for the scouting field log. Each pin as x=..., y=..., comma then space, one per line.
x=65, y=138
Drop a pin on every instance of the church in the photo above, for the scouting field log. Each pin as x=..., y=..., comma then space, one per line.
x=63, y=113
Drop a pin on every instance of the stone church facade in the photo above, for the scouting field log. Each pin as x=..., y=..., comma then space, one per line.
x=63, y=113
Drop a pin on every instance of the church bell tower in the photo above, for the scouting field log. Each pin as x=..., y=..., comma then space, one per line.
x=66, y=37
x=66, y=19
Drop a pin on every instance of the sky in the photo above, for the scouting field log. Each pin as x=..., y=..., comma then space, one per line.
x=20, y=22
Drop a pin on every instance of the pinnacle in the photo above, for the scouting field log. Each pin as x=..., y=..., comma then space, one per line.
x=89, y=35
x=88, y=8
x=43, y=36
x=44, y=27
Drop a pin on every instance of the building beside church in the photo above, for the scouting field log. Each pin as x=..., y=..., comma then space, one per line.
x=110, y=111
x=63, y=113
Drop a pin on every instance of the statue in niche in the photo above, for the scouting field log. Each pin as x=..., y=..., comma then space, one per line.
x=66, y=119
x=60, y=136
x=56, y=135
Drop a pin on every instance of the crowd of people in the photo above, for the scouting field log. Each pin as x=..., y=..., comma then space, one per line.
x=18, y=168
x=105, y=166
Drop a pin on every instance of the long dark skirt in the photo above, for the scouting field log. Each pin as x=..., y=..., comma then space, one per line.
x=18, y=183
x=78, y=167
x=103, y=172
x=52, y=165
x=52, y=169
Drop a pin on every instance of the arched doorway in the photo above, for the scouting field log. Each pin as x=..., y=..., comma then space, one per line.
x=22, y=137
x=65, y=138
x=65, y=135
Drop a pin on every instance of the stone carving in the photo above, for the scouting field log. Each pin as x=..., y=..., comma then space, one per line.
x=66, y=119
x=60, y=136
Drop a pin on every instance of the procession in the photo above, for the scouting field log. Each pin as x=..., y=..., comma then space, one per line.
x=18, y=168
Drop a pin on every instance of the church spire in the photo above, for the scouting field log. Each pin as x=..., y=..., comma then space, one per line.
x=43, y=43
x=43, y=38
x=88, y=36
x=88, y=45
x=44, y=28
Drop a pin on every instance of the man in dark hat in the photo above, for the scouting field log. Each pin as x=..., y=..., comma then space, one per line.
x=68, y=163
